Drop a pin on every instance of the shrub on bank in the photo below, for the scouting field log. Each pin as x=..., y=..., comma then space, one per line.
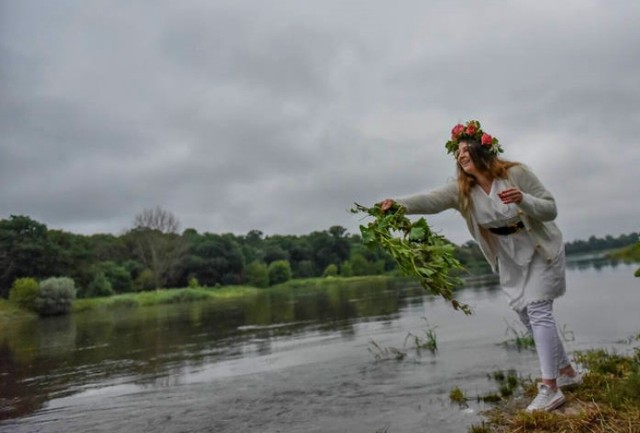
x=257, y=274
x=100, y=286
x=24, y=292
x=330, y=271
x=55, y=296
x=279, y=272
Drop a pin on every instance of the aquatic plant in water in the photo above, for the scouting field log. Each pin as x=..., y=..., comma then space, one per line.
x=520, y=339
x=429, y=341
x=418, y=251
x=456, y=395
x=385, y=353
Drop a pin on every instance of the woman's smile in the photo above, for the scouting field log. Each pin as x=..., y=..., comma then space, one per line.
x=464, y=159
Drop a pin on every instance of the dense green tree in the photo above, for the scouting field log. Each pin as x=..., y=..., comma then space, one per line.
x=75, y=256
x=359, y=265
x=304, y=269
x=25, y=251
x=600, y=244
x=144, y=281
x=117, y=275
x=257, y=274
x=330, y=246
x=100, y=286
x=215, y=259
x=252, y=245
x=345, y=269
x=279, y=272
x=109, y=248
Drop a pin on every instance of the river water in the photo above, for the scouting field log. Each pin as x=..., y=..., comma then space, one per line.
x=297, y=360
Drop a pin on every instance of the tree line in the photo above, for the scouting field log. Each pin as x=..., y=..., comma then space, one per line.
x=154, y=254
x=594, y=244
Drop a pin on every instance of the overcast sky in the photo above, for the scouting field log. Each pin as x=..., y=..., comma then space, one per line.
x=279, y=115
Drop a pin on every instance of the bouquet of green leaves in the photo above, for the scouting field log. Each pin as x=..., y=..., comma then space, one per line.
x=416, y=249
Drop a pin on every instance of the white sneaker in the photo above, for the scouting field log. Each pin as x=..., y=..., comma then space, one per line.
x=563, y=380
x=547, y=399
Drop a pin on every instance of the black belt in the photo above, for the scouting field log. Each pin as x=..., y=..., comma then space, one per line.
x=507, y=230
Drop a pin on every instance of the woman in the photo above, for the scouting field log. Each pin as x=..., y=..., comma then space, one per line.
x=510, y=214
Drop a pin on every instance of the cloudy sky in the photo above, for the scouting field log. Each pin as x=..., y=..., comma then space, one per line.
x=279, y=115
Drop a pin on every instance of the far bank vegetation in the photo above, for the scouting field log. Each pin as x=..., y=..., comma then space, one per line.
x=48, y=268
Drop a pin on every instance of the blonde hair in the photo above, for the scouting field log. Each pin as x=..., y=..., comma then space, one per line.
x=493, y=167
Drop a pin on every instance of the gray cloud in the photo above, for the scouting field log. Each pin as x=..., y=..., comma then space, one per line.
x=278, y=116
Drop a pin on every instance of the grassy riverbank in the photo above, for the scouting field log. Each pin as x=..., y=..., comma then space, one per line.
x=163, y=296
x=607, y=402
x=630, y=253
x=173, y=296
x=10, y=311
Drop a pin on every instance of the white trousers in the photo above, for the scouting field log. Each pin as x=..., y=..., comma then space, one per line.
x=538, y=318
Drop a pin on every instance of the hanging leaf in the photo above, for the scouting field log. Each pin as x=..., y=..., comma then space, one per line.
x=415, y=248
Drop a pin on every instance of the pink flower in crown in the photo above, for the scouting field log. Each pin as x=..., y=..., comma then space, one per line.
x=486, y=139
x=471, y=129
x=457, y=130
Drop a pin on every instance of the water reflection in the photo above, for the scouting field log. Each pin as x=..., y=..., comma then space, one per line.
x=304, y=329
x=57, y=356
x=596, y=261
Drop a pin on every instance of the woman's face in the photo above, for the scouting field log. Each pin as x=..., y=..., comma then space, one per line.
x=464, y=159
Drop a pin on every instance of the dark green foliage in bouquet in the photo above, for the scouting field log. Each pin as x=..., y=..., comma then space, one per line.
x=418, y=251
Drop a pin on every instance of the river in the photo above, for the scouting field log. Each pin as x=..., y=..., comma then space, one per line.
x=296, y=360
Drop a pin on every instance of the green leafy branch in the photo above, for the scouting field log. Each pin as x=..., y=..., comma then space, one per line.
x=416, y=249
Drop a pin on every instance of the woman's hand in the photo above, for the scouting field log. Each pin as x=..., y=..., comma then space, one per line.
x=511, y=195
x=386, y=204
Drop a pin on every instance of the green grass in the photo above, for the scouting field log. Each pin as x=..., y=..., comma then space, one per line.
x=172, y=296
x=10, y=312
x=630, y=253
x=321, y=281
x=607, y=402
x=163, y=296
x=519, y=339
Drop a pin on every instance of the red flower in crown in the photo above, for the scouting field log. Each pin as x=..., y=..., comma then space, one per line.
x=486, y=139
x=471, y=129
x=457, y=130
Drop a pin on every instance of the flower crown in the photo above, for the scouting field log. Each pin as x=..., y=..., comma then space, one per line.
x=472, y=130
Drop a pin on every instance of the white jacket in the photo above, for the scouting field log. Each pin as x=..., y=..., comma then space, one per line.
x=537, y=211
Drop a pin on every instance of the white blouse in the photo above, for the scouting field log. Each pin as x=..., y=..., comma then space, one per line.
x=524, y=276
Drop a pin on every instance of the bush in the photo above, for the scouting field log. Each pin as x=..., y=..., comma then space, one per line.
x=257, y=274
x=305, y=269
x=55, y=296
x=194, y=283
x=279, y=272
x=330, y=271
x=117, y=275
x=100, y=286
x=345, y=269
x=359, y=265
x=145, y=281
x=24, y=292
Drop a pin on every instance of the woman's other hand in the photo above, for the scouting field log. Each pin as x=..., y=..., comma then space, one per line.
x=386, y=204
x=511, y=195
